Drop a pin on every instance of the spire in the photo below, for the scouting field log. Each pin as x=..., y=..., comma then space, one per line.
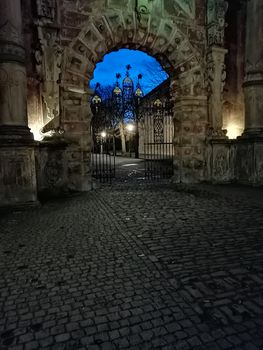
x=138, y=91
x=117, y=90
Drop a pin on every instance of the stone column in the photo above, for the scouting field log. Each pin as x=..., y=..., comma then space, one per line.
x=249, y=157
x=190, y=120
x=216, y=76
x=253, y=84
x=13, y=113
x=17, y=161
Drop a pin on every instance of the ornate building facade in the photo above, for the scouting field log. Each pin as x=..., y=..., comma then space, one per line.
x=49, y=49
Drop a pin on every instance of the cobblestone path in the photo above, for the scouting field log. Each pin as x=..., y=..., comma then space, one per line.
x=133, y=266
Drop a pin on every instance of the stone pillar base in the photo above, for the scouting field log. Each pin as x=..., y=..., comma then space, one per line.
x=249, y=160
x=10, y=134
x=17, y=167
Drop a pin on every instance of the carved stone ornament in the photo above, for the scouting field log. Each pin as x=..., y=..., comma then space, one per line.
x=53, y=170
x=188, y=6
x=216, y=10
x=48, y=61
x=47, y=9
x=213, y=133
x=142, y=8
x=220, y=165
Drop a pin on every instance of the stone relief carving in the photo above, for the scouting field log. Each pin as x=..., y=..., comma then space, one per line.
x=143, y=6
x=48, y=57
x=180, y=8
x=216, y=76
x=188, y=6
x=216, y=10
x=54, y=170
x=47, y=9
x=244, y=160
x=48, y=60
x=220, y=165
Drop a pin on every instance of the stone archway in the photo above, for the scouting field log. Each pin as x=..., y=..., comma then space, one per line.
x=73, y=36
x=119, y=28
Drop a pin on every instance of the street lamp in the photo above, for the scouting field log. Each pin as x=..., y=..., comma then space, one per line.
x=130, y=127
x=103, y=134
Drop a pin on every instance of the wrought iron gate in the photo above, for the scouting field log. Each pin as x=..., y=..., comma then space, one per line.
x=156, y=139
x=103, y=149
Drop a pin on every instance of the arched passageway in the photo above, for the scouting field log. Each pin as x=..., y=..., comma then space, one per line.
x=132, y=117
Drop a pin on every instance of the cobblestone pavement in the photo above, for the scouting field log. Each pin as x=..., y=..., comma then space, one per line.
x=133, y=266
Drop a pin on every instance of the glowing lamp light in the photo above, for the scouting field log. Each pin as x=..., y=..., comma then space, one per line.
x=38, y=136
x=130, y=127
x=233, y=131
x=103, y=134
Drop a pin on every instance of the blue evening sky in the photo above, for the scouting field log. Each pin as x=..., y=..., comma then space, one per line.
x=116, y=62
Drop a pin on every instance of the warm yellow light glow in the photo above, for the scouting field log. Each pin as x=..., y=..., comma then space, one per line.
x=233, y=131
x=103, y=134
x=35, y=129
x=130, y=127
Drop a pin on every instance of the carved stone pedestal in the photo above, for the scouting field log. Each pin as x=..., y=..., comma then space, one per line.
x=52, y=168
x=17, y=167
x=249, y=160
x=220, y=160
